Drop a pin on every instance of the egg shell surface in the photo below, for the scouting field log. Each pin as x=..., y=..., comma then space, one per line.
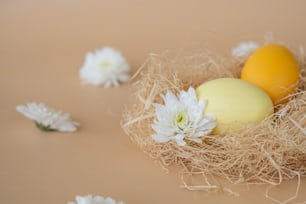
x=273, y=68
x=234, y=102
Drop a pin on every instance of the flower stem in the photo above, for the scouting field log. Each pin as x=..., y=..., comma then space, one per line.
x=43, y=128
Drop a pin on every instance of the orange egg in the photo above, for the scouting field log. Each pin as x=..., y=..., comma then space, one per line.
x=274, y=69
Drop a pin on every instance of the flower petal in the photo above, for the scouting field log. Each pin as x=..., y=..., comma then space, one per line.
x=160, y=138
x=67, y=126
x=84, y=199
x=24, y=111
x=180, y=141
x=88, y=199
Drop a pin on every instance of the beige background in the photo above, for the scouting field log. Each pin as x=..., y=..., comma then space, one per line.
x=42, y=46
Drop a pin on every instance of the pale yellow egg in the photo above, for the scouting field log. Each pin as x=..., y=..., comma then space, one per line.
x=234, y=102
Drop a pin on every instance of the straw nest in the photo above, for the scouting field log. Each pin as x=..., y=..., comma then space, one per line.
x=267, y=153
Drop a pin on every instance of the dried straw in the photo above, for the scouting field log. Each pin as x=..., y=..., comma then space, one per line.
x=267, y=153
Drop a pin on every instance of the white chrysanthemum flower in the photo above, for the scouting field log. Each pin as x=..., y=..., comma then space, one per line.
x=182, y=118
x=244, y=49
x=94, y=200
x=46, y=118
x=105, y=66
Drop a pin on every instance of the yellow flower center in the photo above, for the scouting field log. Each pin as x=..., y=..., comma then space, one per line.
x=181, y=120
x=105, y=63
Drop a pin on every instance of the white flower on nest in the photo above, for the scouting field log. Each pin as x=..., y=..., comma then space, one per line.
x=46, y=118
x=94, y=200
x=244, y=49
x=105, y=66
x=182, y=118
